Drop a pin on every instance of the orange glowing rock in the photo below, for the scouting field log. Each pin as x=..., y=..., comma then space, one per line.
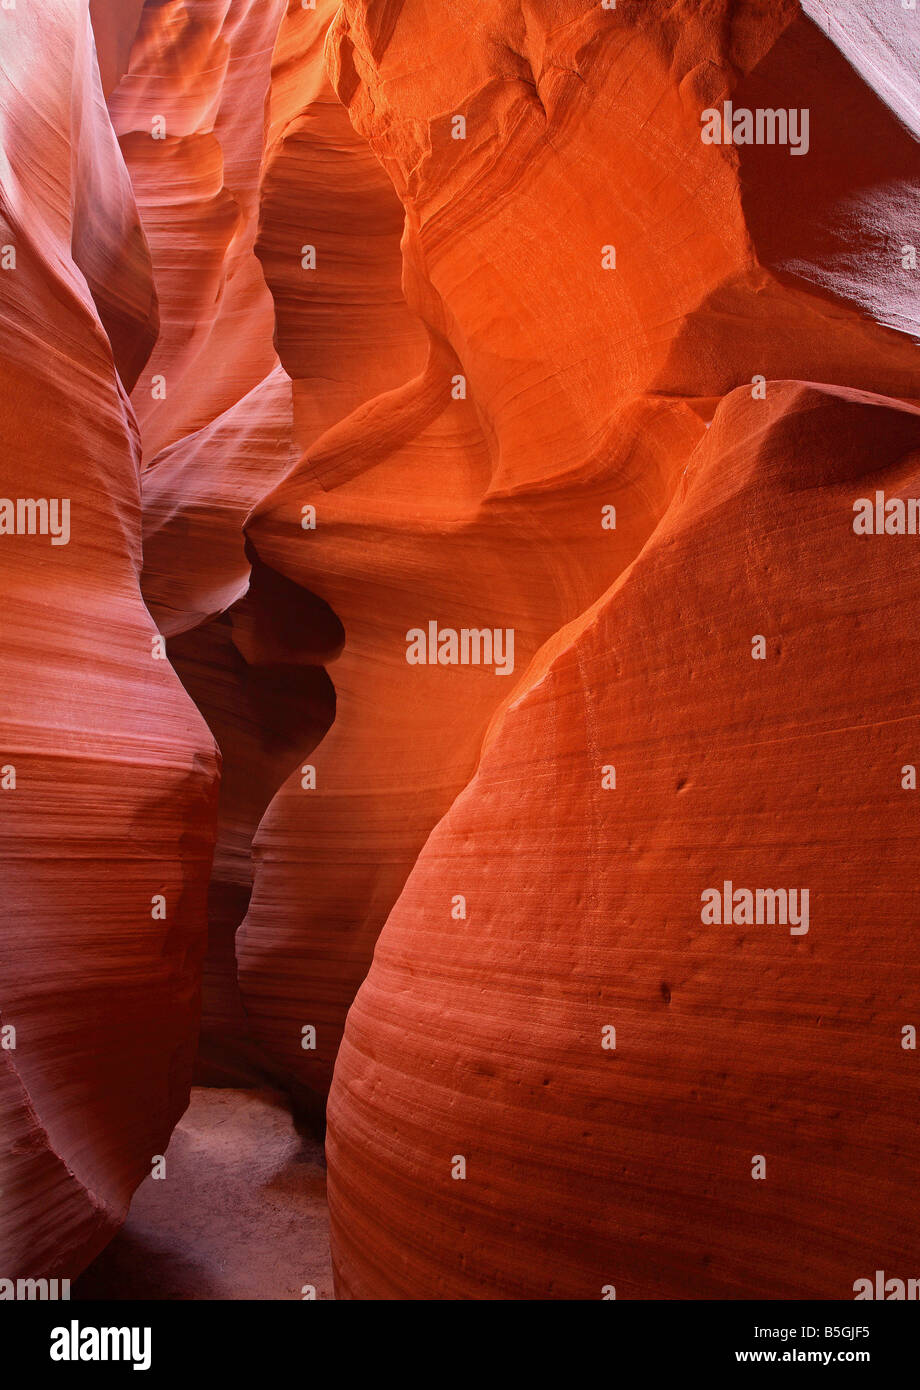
x=472, y=415
x=617, y=1072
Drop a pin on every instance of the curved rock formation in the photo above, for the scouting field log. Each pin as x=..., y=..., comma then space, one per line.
x=567, y=340
x=188, y=116
x=249, y=650
x=547, y=907
x=469, y=406
x=115, y=25
x=251, y=653
x=390, y=555
x=108, y=772
x=627, y=1160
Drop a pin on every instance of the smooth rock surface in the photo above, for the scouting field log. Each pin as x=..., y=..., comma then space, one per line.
x=634, y=1167
x=335, y=325
x=109, y=774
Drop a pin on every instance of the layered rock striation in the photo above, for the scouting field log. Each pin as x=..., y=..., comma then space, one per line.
x=496, y=432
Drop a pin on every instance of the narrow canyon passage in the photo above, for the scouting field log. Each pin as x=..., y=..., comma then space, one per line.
x=459, y=727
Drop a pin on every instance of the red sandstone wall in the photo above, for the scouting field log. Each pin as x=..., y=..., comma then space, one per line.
x=334, y=323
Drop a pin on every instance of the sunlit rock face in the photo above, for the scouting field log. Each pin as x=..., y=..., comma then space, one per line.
x=560, y=1079
x=574, y=357
x=651, y=757
x=486, y=433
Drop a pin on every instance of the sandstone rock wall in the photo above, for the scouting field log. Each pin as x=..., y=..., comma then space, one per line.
x=352, y=329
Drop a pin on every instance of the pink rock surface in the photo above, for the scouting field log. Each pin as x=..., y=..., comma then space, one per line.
x=188, y=116
x=106, y=809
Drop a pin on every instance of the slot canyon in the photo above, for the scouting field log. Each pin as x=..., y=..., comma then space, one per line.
x=459, y=719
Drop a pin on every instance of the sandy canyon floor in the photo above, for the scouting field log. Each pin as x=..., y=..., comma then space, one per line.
x=241, y=1212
